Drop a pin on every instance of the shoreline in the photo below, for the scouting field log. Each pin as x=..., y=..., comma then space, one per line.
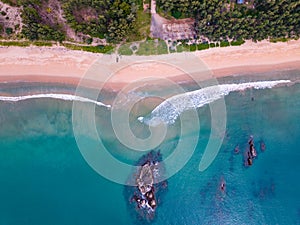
x=59, y=65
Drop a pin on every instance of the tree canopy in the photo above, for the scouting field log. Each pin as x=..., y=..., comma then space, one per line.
x=101, y=18
x=220, y=20
x=46, y=19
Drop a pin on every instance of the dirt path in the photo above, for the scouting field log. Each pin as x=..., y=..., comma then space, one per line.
x=156, y=21
x=153, y=7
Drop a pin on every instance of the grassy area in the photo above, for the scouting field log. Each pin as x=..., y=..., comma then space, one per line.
x=152, y=48
x=147, y=48
x=274, y=40
x=42, y=43
x=25, y=43
x=162, y=48
x=15, y=43
x=141, y=26
x=125, y=49
x=94, y=49
x=183, y=48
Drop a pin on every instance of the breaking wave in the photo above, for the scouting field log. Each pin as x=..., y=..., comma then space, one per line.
x=66, y=97
x=168, y=111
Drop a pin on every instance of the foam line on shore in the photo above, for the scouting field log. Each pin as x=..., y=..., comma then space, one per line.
x=168, y=111
x=66, y=97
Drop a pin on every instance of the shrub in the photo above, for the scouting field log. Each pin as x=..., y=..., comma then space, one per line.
x=224, y=44
x=203, y=46
x=176, y=14
x=89, y=41
x=8, y=30
x=237, y=42
x=193, y=47
x=274, y=40
x=94, y=49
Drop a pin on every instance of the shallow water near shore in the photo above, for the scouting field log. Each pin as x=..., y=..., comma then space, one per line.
x=45, y=180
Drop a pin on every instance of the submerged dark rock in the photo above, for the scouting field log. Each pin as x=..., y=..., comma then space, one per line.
x=145, y=196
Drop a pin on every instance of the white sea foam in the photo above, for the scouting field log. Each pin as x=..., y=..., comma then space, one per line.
x=66, y=97
x=168, y=111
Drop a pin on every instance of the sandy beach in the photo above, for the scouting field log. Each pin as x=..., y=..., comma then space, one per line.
x=57, y=64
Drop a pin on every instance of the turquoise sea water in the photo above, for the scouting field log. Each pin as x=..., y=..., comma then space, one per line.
x=45, y=180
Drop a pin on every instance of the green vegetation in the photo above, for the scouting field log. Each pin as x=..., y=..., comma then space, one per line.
x=42, y=43
x=221, y=20
x=88, y=48
x=15, y=43
x=35, y=27
x=176, y=14
x=125, y=49
x=25, y=43
x=203, y=46
x=101, y=18
x=237, y=42
x=274, y=40
x=177, y=9
x=114, y=20
x=152, y=48
x=8, y=30
x=224, y=44
x=193, y=47
x=94, y=49
x=182, y=48
x=140, y=27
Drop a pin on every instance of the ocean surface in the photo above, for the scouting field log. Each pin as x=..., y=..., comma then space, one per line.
x=44, y=179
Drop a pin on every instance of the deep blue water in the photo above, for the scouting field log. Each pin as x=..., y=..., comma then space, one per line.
x=45, y=180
